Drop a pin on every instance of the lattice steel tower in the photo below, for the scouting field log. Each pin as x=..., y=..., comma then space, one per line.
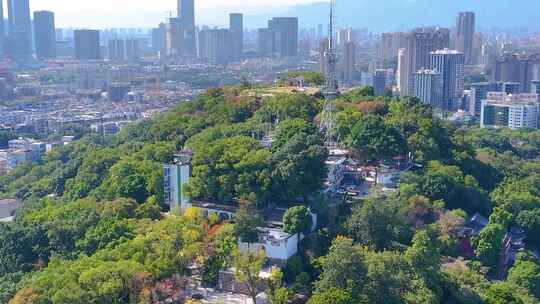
x=330, y=91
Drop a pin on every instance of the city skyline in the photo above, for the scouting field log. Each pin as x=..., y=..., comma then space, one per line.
x=352, y=13
x=280, y=151
x=105, y=14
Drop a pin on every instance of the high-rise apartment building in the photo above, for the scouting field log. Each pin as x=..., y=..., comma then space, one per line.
x=159, y=37
x=450, y=64
x=87, y=44
x=345, y=35
x=511, y=87
x=323, y=49
x=518, y=111
x=428, y=87
x=348, y=61
x=419, y=44
x=535, y=88
x=516, y=68
x=215, y=45
x=174, y=38
x=389, y=44
x=285, y=31
x=236, y=28
x=186, y=17
x=478, y=49
x=320, y=34
x=379, y=82
x=479, y=93
x=266, y=41
x=465, y=26
x=133, y=49
x=19, y=44
x=116, y=50
x=44, y=34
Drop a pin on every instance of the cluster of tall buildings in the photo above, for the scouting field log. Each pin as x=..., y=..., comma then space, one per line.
x=179, y=33
x=29, y=34
x=279, y=38
x=428, y=68
x=346, y=51
x=515, y=67
x=442, y=84
x=504, y=104
x=221, y=46
x=18, y=39
x=22, y=37
x=431, y=61
x=431, y=64
x=390, y=44
x=123, y=49
x=514, y=111
x=180, y=38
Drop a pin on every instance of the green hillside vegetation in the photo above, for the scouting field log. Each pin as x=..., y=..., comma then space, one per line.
x=92, y=229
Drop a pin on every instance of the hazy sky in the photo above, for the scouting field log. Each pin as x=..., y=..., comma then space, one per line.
x=143, y=13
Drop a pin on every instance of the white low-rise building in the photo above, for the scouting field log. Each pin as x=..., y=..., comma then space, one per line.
x=278, y=246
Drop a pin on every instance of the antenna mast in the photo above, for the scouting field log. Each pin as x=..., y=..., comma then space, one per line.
x=328, y=125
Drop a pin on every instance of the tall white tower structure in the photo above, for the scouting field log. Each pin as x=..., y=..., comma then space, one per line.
x=176, y=177
x=328, y=122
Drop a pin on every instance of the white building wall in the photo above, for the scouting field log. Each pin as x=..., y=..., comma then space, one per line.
x=275, y=250
x=171, y=188
x=523, y=117
x=184, y=180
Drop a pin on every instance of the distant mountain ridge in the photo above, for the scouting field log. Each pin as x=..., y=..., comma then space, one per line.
x=392, y=15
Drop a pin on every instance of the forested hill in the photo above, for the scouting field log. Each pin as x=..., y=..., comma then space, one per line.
x=92, y=229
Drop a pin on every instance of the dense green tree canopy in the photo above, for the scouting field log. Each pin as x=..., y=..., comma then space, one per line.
x=526, y=274
x=502, y=293
x=379, y=223
x=298, y=168
x=231, y=168
x=332, y=296
x=287, y=129
x=373, y=140
x=530, y=221
x=92, y=229
x=449, y=184
x=288, y=106
x=489, y=244
x=297, y=220
x=343, y=268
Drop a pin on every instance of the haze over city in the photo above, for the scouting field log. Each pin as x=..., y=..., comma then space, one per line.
x=138, y=13
x=381, y=15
